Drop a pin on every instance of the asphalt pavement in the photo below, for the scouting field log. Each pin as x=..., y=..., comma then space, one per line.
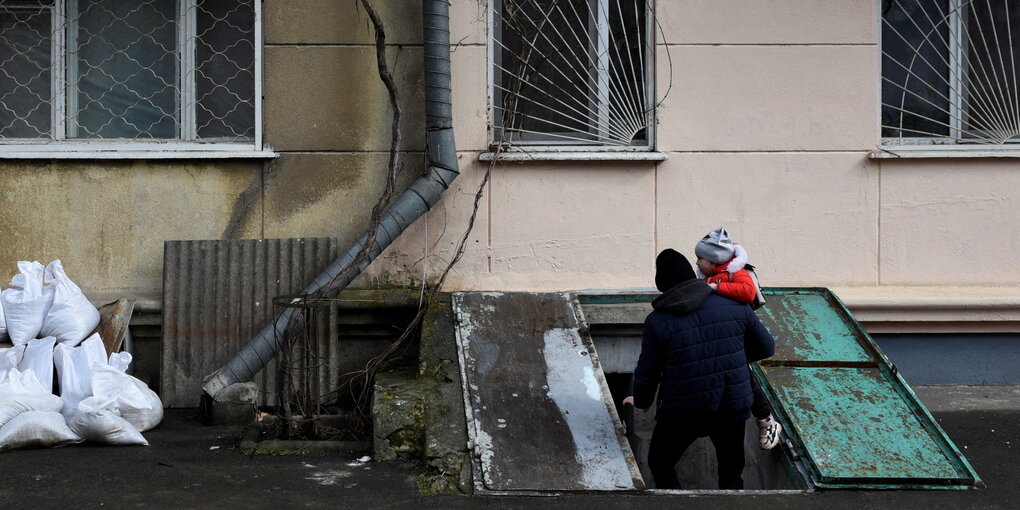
x=190, y=465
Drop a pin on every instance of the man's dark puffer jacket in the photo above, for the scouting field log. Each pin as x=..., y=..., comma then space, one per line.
x=696, y=345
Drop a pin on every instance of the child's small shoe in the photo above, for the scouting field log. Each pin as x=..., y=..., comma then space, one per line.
x=768, y=433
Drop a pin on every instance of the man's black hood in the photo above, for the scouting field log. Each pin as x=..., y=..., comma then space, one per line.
x=683, y=298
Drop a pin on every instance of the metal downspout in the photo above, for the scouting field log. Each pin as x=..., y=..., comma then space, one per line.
x=442, y=169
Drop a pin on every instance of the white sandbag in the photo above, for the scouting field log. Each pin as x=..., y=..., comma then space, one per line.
x=129, y=396
x=21, y=393
x=120, y=361
x=36, y=429
x=10, y=408
x=10, y=357
x=74, y=370
x=71, y=317
x=98, y=424
x=21, y=383
x=26, y=303
x=38, y=358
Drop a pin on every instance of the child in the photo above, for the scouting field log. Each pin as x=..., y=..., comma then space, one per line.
x=721, y=263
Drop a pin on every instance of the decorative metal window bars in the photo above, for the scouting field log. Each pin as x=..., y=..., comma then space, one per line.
x=949, y=71
x=572, y=73
x=140, y=71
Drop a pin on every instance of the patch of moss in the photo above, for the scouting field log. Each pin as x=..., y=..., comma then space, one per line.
x=424, y=485
x=410, y=440
x=387, y=397
x=431, y=482
x=434, y=369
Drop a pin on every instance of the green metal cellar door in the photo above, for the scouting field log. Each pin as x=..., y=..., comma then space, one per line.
x=850, y=416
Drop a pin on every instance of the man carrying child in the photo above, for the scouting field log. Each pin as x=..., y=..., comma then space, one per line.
x=695, y=349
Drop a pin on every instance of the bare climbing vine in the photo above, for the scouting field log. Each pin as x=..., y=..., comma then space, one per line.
x=391, y=167
x=296, y=334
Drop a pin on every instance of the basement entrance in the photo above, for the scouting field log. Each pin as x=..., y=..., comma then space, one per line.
x=542, y=412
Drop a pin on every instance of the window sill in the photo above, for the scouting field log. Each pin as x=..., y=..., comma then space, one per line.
x=126, y=151
x=552, y=155
x=944, y=151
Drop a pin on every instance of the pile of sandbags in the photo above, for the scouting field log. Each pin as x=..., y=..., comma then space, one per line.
x=47, y=318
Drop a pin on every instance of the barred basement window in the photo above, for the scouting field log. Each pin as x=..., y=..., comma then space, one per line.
x=572, y=74
x=166, y=73
x=949, y=72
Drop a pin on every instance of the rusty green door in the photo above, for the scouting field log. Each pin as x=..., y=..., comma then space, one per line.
x=851, y=418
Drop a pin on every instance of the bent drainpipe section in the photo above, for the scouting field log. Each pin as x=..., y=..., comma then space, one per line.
x=412, y=204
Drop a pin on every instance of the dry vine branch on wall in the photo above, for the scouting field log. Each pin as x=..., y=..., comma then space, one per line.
x=296, y=327
x=388, y=191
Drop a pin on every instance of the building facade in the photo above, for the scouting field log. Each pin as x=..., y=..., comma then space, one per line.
x=782, y=121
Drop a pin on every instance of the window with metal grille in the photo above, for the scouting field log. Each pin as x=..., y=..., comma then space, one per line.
x=949, y=72
x=85, y=73
x=572, y=73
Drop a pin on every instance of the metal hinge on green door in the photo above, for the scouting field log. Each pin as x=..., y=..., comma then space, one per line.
x=851, y=418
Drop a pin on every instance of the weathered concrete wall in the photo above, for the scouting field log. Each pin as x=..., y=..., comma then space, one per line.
x=763, y=135
x=328, y=114
x=769, y=113
x=951, y=222
x=107, y=220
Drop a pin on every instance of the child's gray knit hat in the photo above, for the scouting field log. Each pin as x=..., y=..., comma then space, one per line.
x=716, y=247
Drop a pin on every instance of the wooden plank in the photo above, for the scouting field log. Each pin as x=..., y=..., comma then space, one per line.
x=114, y=319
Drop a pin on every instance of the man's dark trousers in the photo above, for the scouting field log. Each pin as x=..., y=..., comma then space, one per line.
x=671, y=440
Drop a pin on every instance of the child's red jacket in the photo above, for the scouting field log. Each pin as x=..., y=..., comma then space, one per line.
x=742, y=287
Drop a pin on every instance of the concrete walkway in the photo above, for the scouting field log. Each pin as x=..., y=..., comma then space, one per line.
x=189, y=465
x=969, y=398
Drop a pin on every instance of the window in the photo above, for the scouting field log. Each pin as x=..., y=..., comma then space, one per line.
x=572, y=74
x=949, y=72
x=101, y=74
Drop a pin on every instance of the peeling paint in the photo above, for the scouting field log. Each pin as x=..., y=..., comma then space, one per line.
x=591, y=385
x=569, y=375
x=844, y=406
x=537, y=417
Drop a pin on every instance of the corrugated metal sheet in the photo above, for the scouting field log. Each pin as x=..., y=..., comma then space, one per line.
x=218, y=294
